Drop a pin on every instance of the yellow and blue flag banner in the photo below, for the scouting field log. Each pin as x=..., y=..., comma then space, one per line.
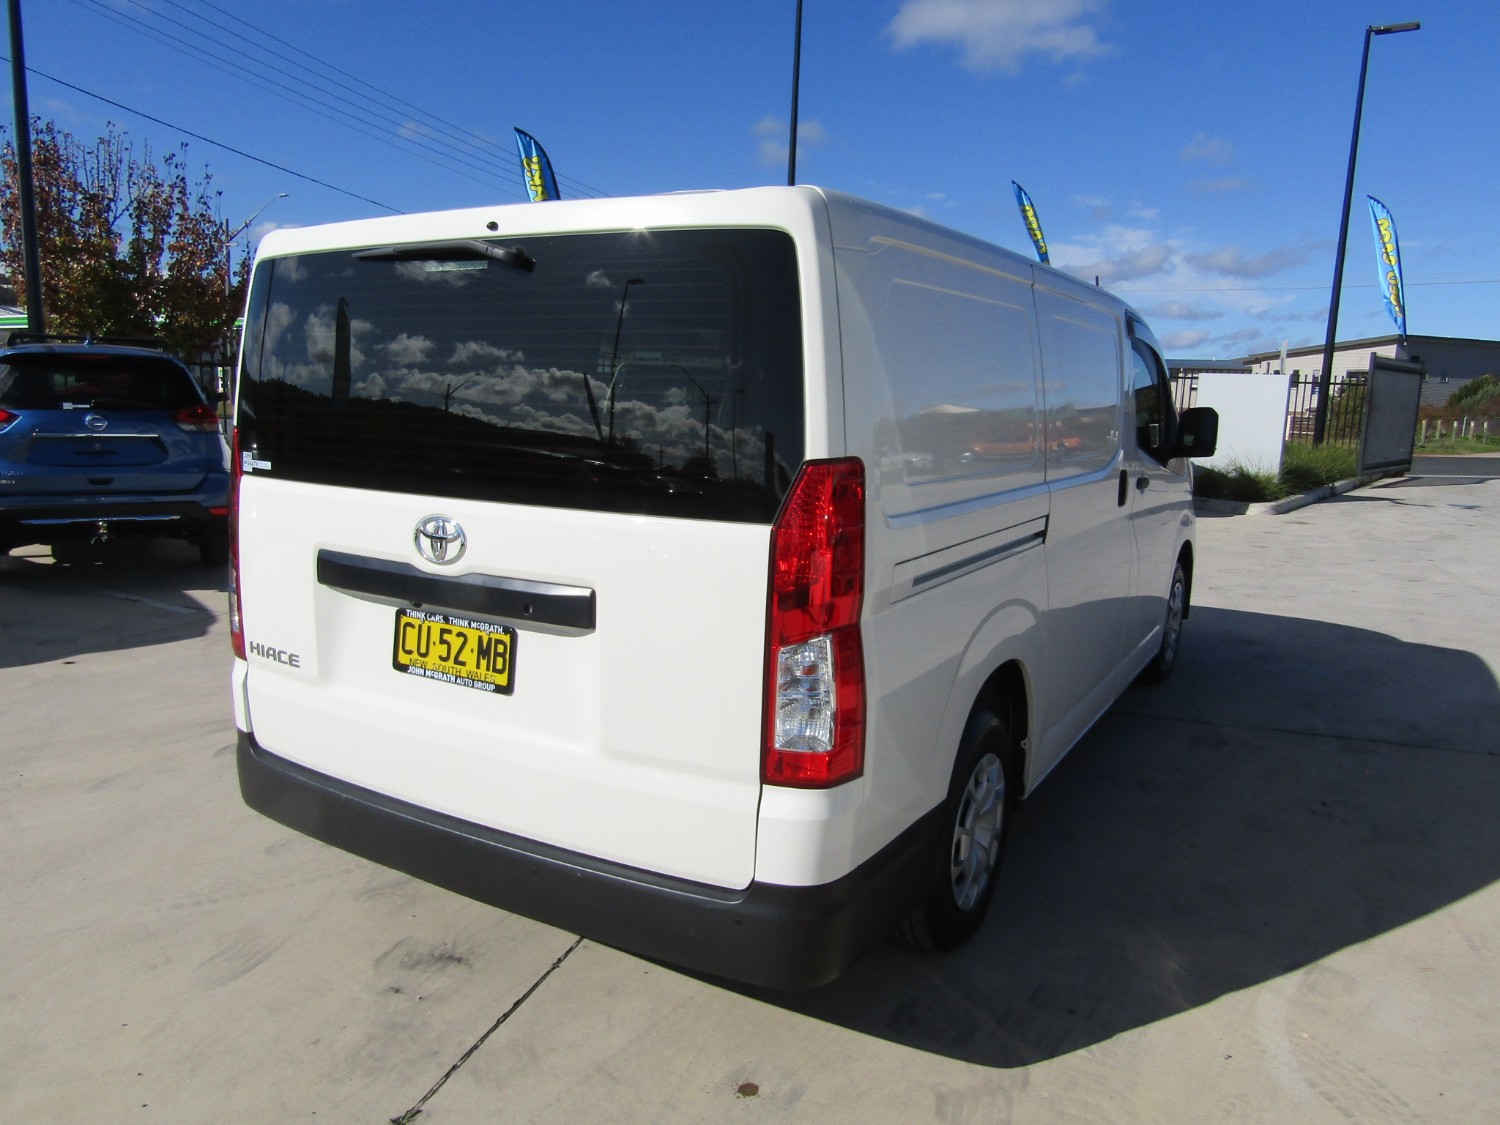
x=537, y=169
x=1033, y=226
x=1389, y=253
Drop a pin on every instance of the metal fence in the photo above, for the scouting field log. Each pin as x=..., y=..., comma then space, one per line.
x=1346, y=410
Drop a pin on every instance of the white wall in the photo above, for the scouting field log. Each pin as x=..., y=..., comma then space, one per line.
x=1252, y=417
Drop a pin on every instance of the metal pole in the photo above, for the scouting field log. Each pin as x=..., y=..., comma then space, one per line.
x=614, y=358
x=791, y=164
x=1325, y=377
x=36, y=319
x=230, y=236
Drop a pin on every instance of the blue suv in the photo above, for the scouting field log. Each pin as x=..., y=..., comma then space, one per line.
x=104, y=438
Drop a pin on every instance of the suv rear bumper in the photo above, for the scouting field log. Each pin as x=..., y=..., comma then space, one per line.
x=43, y=519
x=769, y=935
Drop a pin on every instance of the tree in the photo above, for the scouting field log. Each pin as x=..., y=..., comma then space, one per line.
x=127, y=248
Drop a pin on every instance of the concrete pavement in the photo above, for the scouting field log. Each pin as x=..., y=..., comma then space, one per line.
x=1263, y=892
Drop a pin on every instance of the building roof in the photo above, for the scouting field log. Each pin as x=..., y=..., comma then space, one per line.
x=1368, y=343
x=1206, y=364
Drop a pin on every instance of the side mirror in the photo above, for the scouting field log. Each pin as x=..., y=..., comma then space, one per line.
x=1197, y=432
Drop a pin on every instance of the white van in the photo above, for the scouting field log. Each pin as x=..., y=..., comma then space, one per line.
x=708, y=574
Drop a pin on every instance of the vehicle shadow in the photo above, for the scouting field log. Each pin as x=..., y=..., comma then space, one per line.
x=129, y=594
x=1297, y=788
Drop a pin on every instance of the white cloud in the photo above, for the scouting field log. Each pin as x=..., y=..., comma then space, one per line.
x=1117, y=254
x=407, y=350
x=1183, y=310
x=1222, y=186
x=1003, y=34
x=773, y=133
x=320, y=330
x=1207, y=150
x=468, y=352
x=1184, y=341
x=1231, y=261
x=1100, y=209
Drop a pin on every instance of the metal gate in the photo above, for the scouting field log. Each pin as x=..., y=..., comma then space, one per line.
x=1390, y=430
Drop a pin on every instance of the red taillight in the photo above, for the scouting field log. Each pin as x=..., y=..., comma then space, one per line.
x=7, y=417
x=236, y=618
x=199, y=419
x=815, y=677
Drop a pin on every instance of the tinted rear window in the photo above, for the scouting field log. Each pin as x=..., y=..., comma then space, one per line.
x=43, y=381
x=655, y=372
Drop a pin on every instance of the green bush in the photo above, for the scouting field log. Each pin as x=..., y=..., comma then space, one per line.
x=1244, y=483
x=1306, y=467
x=1303, y=468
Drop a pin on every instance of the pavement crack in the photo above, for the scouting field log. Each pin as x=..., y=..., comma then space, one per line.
x=415, y=1111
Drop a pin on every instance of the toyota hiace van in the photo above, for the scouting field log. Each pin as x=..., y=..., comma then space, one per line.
x=708, y=574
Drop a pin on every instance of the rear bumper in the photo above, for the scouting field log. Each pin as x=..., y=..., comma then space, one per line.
x=44, y=519
x=768, y=935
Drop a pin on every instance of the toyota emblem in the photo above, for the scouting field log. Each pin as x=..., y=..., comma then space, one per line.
x=440, y=540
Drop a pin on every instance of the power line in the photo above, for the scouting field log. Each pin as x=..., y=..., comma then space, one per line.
x=211, y=141
x=356, y=121
x=479, y=140
x=359, y=107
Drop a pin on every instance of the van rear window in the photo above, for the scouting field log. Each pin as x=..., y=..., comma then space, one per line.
x=650, y=372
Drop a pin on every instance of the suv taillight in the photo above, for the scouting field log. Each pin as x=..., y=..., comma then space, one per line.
x=199, y=419
x=815, y=673
x=236, y=619
x=7, y=417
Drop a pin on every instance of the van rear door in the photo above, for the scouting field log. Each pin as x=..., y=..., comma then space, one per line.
x=504, y=528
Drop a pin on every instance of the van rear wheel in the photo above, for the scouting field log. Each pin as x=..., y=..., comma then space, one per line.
x=976, y=816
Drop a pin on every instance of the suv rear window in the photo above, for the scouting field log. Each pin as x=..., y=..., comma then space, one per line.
x=52, y=381
x=652, y=372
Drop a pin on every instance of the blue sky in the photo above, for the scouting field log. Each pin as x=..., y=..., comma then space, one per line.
x=1190, y=155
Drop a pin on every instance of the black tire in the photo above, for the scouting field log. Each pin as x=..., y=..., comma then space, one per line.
x=1171, y=635
x=976, y=816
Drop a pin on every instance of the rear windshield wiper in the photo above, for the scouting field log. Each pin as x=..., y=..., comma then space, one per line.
x=457, y=250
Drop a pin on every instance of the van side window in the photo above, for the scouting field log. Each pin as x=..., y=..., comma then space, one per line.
x=1081, y=362
x=1152, y=396
x=965, y=394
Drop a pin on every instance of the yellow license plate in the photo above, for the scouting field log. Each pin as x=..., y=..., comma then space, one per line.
x=456, y=650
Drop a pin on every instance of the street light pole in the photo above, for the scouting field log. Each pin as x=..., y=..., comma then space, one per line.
x=614, y=359
x=230, y=237
x=1325, y=377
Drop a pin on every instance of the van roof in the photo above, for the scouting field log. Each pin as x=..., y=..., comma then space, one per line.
x=800, y=207
x=768, y=206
